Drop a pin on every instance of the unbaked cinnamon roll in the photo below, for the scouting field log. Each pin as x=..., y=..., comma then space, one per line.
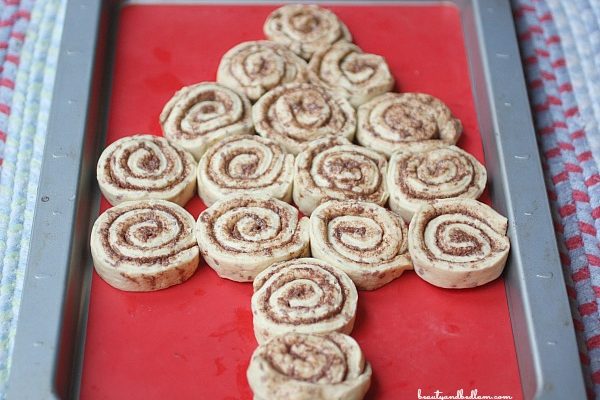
x=305, y=29
x=144, y=245
x=420, y=172
x=199, y=115
x=254, y=68
x=245, y=164
x=458, y=243
x=242, y=235
x=304, y=295
x=333, y=168
x=344, y=68
x=298, y=366
x=394, y=118
x=297, y=113
x=146, y=167
x=364, y=240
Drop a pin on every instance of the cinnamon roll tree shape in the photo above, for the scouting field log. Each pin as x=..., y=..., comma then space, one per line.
x=201, y=114
x=253, y=68
x=297, y=113
x=144, y=245
x=245, y=164
x=304, y=295
x=421, y=172
x=391, y=119
x=332, y=168
x=142, y=167
x=242, y=235
x=363, y=239
x=458, y=243
x=345, y=69
x=305, y=29
x=297, y=366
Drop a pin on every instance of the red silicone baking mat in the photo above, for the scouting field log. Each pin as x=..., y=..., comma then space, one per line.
x=194, y=341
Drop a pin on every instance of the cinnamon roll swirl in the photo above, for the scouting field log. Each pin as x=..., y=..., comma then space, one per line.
x=394, y=118
x=199, y=115
x=297, y=113
x=305, y=29
x=144, y=245
x=254, y=68
x=245, y=164
x=298, y=366
x=420, y=172
x=146, y=167
x=333, y=168
x=304, y=295
x=364, y=240
x=344, y=68
x=458, y=243
x=242, y=235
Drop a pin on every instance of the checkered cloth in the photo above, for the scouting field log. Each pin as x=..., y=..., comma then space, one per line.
x=560, y=44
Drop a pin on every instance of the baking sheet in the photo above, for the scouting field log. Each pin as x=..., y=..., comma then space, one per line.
x=194, y=341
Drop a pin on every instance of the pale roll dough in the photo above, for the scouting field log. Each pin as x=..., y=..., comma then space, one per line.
x=144, y=167
x=304, y=295
x=201, y=114
x=363, y=239
x=297, y=366
x=144, y=245
x=242, y=235
x=244, y=165
x=458, y=243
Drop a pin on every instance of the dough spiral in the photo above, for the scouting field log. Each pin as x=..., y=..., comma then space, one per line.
x=394, y=118
x=143, y=167
x=144, y=245
x=254, y=68
x=333, y=168
x=245, y=164
x=299, y=366
x=304, y=295
x=421, y=172
x=364, y=240
x=242, y=235
x=297, y=113
x=305, y=29
x=201, y=114
x=458, y=243
x=344, y=68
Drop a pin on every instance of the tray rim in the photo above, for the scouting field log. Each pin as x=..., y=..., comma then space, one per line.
x=48, y=347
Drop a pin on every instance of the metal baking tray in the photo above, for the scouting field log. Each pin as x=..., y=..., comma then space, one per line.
x=51, y=331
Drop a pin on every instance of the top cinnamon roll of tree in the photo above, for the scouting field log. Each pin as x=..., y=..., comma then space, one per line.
x=394, y=118
x=253, y=68
x=345, y=69
x=305, y=29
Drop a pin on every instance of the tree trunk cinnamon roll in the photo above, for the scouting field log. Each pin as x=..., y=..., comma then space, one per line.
x=458, y=243
x=364, y=240
x=421, y=172
x=297, y=113
x=332, y=168
x=304, y=295
x=254, y=68
x=394, y=118
x=245, y=164
x=201, y=114
x=305, y=29
x=242, y=235
x=144, y=245
x=344, y=68
x=297, y=366
x=146, y=167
